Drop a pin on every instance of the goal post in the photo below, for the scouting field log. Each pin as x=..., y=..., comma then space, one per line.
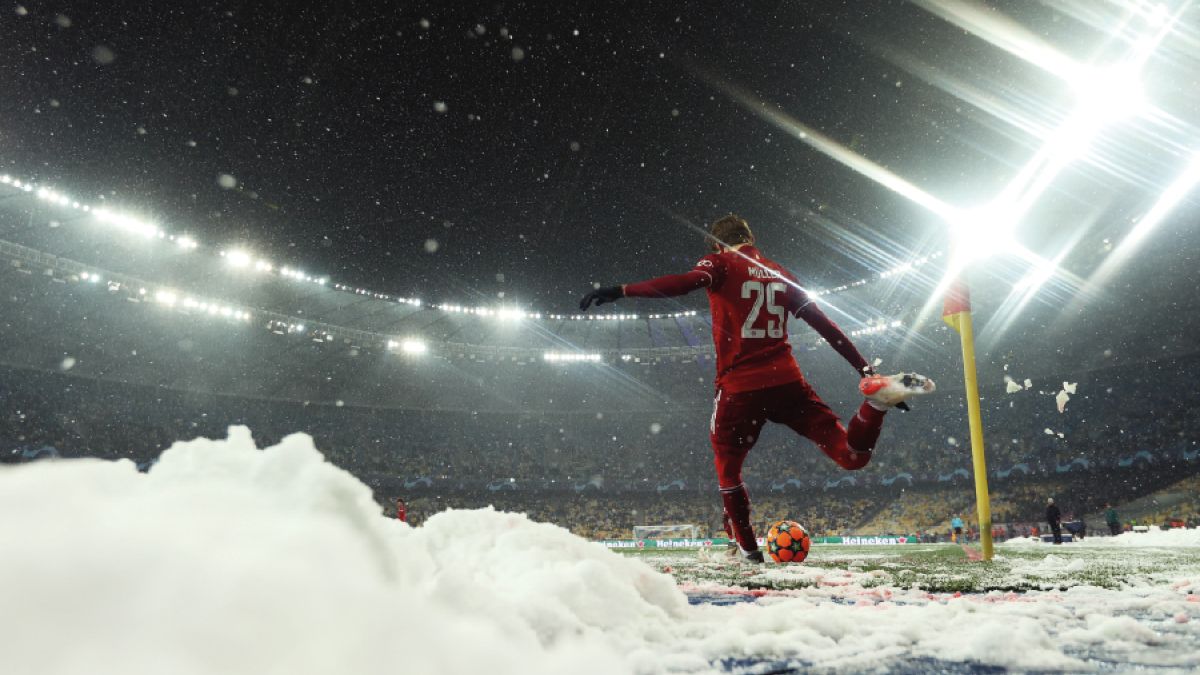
x=666, y=531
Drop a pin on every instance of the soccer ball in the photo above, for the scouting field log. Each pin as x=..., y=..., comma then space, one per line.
x=787, y=541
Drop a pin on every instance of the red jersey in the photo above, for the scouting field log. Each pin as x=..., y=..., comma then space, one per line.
x=751, y=297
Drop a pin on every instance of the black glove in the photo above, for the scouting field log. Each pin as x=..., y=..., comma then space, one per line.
x=601, y=296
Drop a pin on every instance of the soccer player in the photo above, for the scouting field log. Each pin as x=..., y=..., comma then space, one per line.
x=758, y=380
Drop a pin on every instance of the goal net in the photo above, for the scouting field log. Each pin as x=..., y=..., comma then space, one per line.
x=666, y=531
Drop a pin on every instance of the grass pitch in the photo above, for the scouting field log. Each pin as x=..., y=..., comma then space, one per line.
x=936, y=568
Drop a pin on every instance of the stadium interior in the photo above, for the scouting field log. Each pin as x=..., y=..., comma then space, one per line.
x=121, y=336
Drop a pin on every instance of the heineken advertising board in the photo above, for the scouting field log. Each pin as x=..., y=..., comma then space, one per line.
x=708, y=543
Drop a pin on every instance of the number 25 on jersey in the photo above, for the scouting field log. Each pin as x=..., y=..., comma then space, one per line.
x=763, y=295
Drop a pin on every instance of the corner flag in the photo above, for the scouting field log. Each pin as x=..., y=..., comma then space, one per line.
x=958, y=302
x=956, y=312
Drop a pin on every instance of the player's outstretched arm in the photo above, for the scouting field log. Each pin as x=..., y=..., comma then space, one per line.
x=829, y=330
x=601, y=296
x=662, y=287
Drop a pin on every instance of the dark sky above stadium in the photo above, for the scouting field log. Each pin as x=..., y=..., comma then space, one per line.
x=517, y=152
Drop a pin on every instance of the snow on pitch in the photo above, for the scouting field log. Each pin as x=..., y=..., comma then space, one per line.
x=227, y=559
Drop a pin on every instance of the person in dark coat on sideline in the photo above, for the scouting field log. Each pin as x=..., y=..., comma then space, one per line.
x=1111, y=519
x=1054, y=517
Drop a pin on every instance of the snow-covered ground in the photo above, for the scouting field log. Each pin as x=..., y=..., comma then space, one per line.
x=227, y=559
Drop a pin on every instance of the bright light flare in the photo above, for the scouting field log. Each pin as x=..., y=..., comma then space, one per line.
x=413, y=346
x=127, y=223
x=831, y=148
x=982, y=232
x=1110, y=94
x=237, y=258
x=167, y=298
x=1167, y=201
x=570, y=357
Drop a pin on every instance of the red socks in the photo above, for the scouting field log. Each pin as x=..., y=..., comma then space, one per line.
x=737, y=516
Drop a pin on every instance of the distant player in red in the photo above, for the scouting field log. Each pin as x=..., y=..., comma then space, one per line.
x=401, y=510
x=758, y=380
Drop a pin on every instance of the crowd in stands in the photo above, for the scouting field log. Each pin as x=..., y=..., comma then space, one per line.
x=602, y=474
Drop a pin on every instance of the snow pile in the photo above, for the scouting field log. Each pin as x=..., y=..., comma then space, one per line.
x=1154, y=537
x=226, y=559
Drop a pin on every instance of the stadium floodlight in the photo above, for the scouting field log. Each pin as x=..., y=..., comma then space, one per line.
x=167, y=298
x=570, y=357
x=262, y=266
x=6, y=179
x=981, y=232
x=236, y=258
x=413, y=346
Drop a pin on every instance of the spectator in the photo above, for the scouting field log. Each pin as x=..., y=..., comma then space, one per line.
x=956, y=524
x=1112, y=520
x=1054, y=517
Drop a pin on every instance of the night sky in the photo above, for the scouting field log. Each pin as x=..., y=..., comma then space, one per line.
x=542, y=146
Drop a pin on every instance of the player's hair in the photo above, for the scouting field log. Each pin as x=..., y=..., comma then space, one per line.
x=730, y=230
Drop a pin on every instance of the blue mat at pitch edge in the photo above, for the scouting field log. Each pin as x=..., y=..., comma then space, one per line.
x=743, y=666
x=719, y=599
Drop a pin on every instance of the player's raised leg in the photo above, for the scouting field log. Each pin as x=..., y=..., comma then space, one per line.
x=888, y=391
x=798, y=406
x=852, y=448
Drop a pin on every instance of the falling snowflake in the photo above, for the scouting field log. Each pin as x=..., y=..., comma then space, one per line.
x=103, y=55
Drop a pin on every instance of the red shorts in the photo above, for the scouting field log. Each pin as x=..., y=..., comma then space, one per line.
x=738, y=417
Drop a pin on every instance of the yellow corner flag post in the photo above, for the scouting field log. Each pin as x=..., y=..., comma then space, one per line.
x=957, y=313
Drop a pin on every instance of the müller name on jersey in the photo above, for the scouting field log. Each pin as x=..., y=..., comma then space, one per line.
x=764, y=273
